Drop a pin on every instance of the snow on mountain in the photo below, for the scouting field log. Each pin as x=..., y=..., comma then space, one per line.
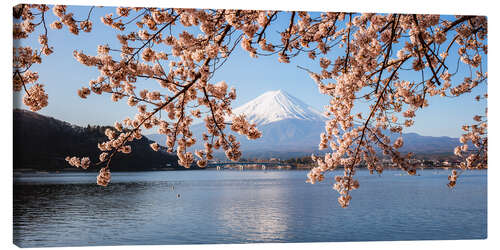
x=274, y=106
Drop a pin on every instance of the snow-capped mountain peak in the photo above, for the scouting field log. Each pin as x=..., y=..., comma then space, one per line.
x=275, y=106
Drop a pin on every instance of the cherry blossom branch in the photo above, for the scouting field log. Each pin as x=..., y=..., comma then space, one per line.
x=387, y=53
x=348, y=43
x=265, y=26
x=184, y=89
x=152, y=37
x=289, y=30
x=372, y=112
x=422, y=43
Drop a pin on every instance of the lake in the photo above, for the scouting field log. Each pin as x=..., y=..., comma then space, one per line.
x=250, y=206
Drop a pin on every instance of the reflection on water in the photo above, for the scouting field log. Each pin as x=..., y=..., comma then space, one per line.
x=69, y=209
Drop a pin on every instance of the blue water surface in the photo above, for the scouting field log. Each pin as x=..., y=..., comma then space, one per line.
x=221, y=207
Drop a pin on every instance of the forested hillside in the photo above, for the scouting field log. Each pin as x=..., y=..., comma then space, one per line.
x=42, y=143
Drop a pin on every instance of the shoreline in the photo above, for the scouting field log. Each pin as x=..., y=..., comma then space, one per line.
x=33, y=171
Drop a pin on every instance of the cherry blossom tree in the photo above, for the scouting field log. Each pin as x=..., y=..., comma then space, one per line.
x=159, y=44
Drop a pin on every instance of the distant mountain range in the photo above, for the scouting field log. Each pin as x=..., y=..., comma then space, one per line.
x=291, y=128
x=42, y=143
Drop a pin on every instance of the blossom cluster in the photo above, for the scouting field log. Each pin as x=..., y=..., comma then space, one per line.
x=74, y=161
x=27, y=18
x=452, y=178
x=67, y=19
x=104, y=177
x=35, y=97
x=475, y=156
x=343, y=185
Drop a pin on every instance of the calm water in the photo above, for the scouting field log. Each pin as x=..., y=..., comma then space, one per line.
x=69, y=209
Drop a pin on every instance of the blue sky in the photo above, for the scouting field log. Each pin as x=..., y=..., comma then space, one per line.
x=63, y=76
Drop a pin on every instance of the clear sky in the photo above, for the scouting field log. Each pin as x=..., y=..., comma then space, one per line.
x=63, y=76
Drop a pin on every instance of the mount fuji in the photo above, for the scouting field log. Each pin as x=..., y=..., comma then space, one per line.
x=288, y=125
x=292, y=128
